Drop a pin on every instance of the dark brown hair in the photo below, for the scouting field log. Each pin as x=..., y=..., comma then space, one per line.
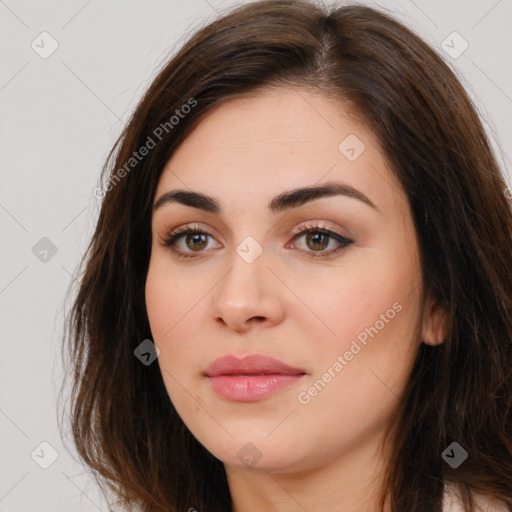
x=124, y=426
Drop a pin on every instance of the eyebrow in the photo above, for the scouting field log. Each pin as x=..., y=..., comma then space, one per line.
x=285, y=201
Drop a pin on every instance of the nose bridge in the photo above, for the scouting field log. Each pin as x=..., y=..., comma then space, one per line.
x=247, y=290
x=247, y=264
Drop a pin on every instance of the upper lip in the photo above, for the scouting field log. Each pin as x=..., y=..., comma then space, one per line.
x=251, y=364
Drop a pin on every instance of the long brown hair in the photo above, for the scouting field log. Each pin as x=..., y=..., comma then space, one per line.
x=124, y=426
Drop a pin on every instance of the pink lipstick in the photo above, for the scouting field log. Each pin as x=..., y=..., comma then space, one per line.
x=251, y=378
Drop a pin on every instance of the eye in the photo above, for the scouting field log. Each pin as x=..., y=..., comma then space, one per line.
x=196, y=239
x=318, y=237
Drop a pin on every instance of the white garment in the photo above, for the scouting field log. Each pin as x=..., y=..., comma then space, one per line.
x=453, y=503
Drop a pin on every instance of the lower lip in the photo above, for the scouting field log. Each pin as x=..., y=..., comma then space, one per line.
x=247, y=388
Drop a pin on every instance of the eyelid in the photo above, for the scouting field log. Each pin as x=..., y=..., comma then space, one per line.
x=317, y=224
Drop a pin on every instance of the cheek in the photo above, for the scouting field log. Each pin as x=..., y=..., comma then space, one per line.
x=371, y=319
x=361, y=371
x=159, y=298
x=167, y=304
x=364, y=297
x=170, y=299
x=173, y=304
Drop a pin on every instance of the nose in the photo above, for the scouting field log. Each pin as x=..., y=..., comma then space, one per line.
x=248, y=295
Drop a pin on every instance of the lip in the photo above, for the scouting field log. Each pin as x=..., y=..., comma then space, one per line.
x=251, y=378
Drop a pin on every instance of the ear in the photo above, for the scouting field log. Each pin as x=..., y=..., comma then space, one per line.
x=434, y=324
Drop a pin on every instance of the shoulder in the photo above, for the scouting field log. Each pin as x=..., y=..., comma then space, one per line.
x=453, y=503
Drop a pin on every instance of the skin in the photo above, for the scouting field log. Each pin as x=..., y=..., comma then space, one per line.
x=326, y=454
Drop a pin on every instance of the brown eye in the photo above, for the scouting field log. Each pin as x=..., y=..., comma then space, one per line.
x=317, y=239
x=195, y=241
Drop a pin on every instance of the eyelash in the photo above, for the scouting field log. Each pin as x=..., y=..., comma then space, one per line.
x=170, y=237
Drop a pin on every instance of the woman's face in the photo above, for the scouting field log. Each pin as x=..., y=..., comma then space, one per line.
x=342, y=309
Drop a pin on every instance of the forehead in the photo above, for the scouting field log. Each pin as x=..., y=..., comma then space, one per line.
x=259, y=145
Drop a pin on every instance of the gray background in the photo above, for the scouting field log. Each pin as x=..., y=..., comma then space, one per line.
x=59, y=117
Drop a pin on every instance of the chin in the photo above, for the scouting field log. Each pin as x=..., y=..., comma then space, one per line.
x=257, y=453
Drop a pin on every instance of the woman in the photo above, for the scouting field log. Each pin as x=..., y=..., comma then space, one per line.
x=298, y=293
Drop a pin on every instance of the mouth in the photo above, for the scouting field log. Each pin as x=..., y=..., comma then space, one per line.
x=251, y=378
x=255, y=364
